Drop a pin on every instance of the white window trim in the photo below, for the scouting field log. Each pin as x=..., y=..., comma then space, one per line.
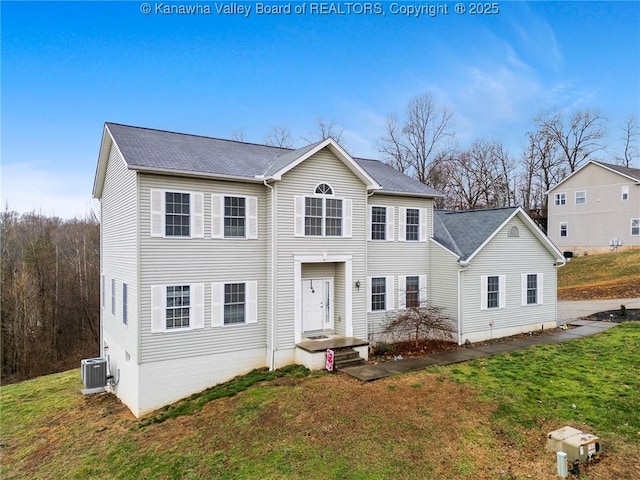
x=125, y=301
x=217, y=216
x=217, y=304
x=566, y=224
x=159, y=307
x=502, y=292
x=539, y=289
x=157, y=207
x=113, y=296
x=559, y=196
x=299, y=216
x=387, y=230
x=389, y=294
x=631, y=227
x=624, y=193
x=575, y=199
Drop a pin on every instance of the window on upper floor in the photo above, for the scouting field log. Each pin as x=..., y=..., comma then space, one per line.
x=625, y=192
x=513, y=232
x=412, y=232
x=234, y=216
x=635, y=226
x=378, y=223
x=561, y=199
x=322, y=215
x=564, y=229
x=176, y=214
x=581, y=197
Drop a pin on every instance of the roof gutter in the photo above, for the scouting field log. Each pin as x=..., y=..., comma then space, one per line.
x=187, y=173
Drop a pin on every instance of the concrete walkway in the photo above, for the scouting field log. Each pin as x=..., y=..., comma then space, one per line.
x=570, y=311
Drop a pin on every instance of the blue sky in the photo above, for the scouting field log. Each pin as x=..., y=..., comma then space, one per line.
x=67, y=67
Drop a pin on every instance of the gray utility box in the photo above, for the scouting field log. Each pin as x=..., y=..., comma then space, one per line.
x=578, y=445
x=94, y=372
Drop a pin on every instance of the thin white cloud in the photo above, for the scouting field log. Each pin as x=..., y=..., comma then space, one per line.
x=27, y=188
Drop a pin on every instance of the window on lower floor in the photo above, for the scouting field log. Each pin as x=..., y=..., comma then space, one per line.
x=564, y=229
x=113, y=296
x=378, y=294
x=532, y=289
x=635, y=226
x=413, y=225
x=125, y=318
x=493, y=291
x=412, y=292
x=234, y=303
x=178, y=307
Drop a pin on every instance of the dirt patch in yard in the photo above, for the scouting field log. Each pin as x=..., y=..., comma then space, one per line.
x=619, y=288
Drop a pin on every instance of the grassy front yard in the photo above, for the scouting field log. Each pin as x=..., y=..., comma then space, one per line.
x=484, y=419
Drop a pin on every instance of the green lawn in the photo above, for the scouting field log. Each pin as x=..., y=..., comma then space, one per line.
x=483, y=419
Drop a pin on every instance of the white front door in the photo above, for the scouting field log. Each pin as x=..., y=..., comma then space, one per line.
x=317, y=304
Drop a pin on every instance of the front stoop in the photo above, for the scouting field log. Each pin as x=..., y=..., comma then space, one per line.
x=346, y=357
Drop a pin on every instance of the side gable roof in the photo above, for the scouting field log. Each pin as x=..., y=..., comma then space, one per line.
x=159, y=151
x=632, y=174
x=465, y=233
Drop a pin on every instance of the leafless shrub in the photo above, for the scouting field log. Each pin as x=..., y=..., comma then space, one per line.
x=419, y=323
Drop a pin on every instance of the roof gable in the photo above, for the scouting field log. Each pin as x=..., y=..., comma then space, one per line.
x=632, y=174
x=171, y=153
x=465, y=233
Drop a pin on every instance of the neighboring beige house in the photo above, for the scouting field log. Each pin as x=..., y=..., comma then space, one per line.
x=218, y=257
x=596, y=209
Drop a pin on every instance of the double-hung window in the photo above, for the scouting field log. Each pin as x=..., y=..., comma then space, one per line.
x=322, y=215
x=178, y=309
x=625, y=192
x=176, y=214
x=412, y=292
x=564, y=229
x=234, y=303
x=125, y=317
x=561, y=199
x=113, y=296
x=635, y=226
x=581, y=197
x=378, y=294
x=531, y=288
x=378, y=223
x=234, y=217
x=492, y=292
x=413, y=225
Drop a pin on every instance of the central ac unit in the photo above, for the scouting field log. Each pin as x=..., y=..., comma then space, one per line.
x=94, y=372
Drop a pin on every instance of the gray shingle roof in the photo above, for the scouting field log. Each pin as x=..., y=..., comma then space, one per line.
x=464, y=232
x=145, y=148
x=393, y=181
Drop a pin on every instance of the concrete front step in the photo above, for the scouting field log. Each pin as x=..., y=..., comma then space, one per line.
x=346, y=357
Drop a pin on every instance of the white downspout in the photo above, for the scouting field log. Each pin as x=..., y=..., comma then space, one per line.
x=465, y=266
x=272, y=359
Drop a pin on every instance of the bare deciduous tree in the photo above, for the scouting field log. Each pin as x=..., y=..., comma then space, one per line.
x=630, y=139
x=412, y=145
x=578, y=138
x=279, y=136
x=419, y=322
x=324, y=129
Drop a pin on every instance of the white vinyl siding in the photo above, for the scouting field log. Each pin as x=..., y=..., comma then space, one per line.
x=230, y=216
x=493, y=288
x=532, y=288
x=188, y=297
x=220, y=290
x=193, y=210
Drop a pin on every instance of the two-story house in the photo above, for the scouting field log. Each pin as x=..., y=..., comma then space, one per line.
x=218, y=257
x=596, y=209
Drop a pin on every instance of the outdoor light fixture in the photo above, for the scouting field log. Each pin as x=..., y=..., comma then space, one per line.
x=358, y=284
